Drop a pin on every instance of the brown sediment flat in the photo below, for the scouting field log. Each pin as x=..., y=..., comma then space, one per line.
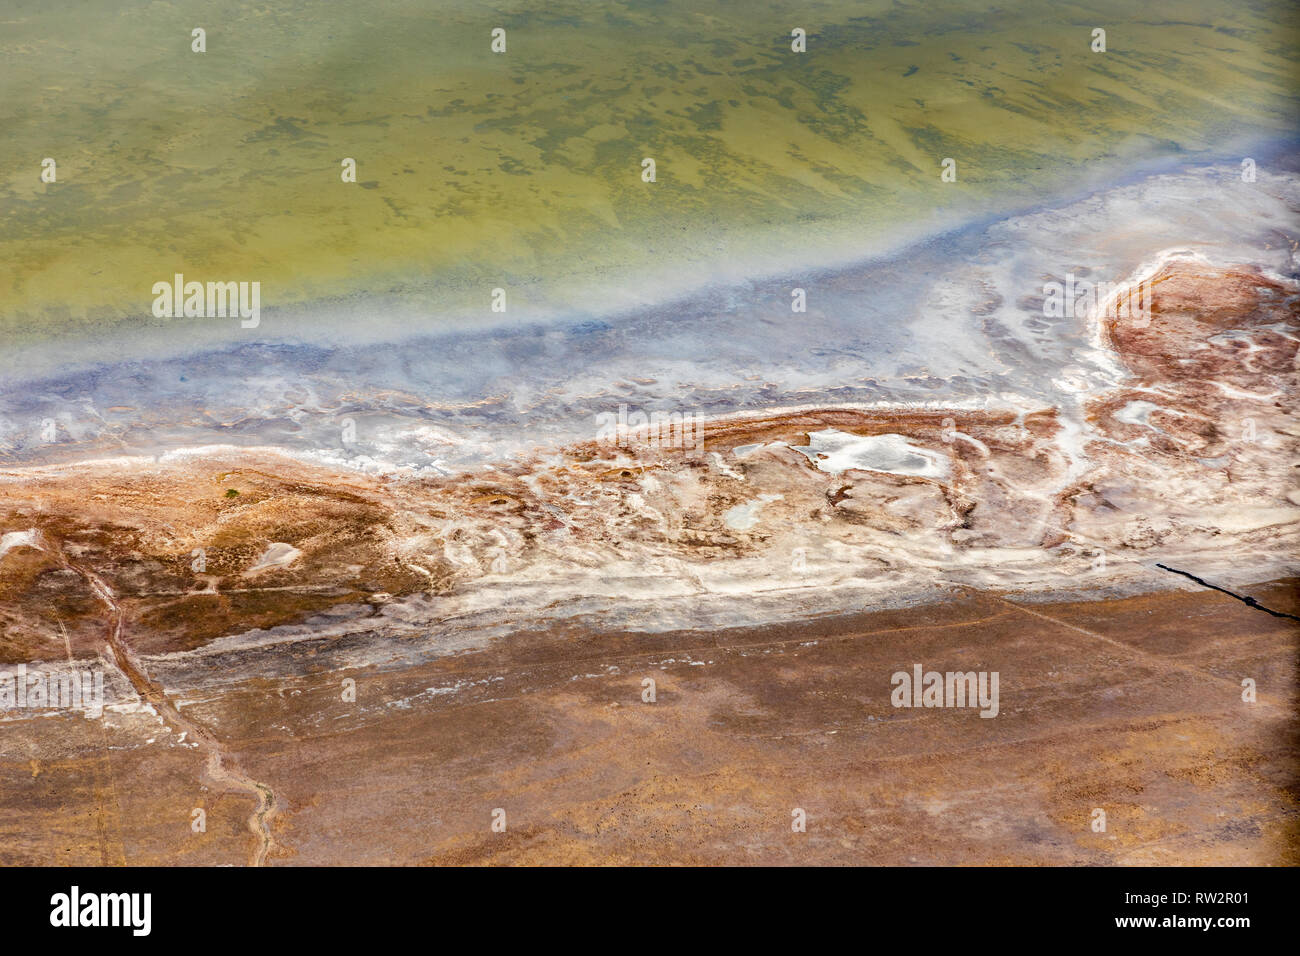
x=1130, y=706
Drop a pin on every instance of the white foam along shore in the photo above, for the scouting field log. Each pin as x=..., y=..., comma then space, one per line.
x=1007, y=402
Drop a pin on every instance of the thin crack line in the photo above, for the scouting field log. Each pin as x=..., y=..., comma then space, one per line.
x=1243, y=598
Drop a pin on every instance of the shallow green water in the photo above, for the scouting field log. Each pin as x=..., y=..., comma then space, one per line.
x=524, y=169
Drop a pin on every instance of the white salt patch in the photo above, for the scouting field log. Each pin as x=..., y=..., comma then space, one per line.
x=835, y=452
x=722, y=466
x=743, y=517
x=20, y=539
x=1248, y=396
x=277, y=555
x=1136, y=413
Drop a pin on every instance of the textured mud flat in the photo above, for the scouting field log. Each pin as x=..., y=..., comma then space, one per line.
x=336, y=667
x=748, y=725
x=1130, y=706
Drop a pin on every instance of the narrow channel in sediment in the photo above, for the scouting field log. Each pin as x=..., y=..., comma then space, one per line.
x=220, y=767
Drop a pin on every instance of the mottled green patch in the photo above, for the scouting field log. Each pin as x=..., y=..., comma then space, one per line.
x=475, y=168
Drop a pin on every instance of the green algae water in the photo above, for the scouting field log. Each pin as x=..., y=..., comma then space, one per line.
x=523, y=169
